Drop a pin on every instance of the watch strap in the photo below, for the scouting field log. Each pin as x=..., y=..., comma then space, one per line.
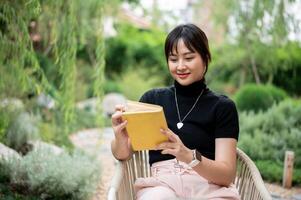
x=195, y=158
x=198, y=155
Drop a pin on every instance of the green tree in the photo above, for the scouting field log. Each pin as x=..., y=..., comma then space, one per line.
x=133, y=48
x=53, y=30
x=256, y=27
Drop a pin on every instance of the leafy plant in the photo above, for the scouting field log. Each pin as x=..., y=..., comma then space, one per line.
x=258, y=97
x=7, y=114
x=273, y=172
x=267, y=135
x=22, y=130
x=38, y=50
x=276, y=93
x=136, y=48
x=135, y=82
x=50, y=176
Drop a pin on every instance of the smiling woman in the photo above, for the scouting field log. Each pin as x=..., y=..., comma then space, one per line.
x=199, y=159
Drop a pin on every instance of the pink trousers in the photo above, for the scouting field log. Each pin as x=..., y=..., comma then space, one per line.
x=172, y=180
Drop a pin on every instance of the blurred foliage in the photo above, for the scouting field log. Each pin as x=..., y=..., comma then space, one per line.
x=257, y=47
x=279, y=66
x=270, y=171
x=51, y=125
x=250, y=19
x=134, y=85
x=42, y=174
x=8, y=114
x=22, y=130
x=273, y=172
x=277, y=94
x=17, y=59
x=39, y=45
x=267, y=135
x=112, y=86
x=133, y=48
x=252, y=97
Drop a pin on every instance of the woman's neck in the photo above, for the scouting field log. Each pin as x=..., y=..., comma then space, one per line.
x=193, y=89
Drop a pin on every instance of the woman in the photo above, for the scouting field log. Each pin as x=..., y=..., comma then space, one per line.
x=199, y=160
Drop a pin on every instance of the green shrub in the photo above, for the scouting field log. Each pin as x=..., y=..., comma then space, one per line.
x=108, y=87
x=272, y=132
x=7, y=115
x=51, y=176
x=273, y=172
x=270, y=170
x=4, y=123
x=297, y=176
x=84, y=119
x=281, y=63
x=278, y=94
x=47, y=131
x=111, y=86
x=252, y=97
x=267, y=135
x=21, y=130
x=142, y=48
x=51, y=127
x=222, y=88
x=134, y=83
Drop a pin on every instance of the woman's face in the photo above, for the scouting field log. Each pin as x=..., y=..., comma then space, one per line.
x=185, y=66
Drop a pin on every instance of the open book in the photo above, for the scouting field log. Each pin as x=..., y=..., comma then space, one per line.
x=144, y=123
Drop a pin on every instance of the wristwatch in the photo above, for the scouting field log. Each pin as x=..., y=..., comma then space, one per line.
x=196, y=158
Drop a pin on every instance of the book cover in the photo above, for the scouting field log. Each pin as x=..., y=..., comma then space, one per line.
x=144, y=124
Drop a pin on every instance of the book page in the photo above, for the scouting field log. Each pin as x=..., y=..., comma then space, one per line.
x=138, y=106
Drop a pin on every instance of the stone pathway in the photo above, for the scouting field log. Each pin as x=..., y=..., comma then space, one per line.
x=97, y=142
x=280, y=193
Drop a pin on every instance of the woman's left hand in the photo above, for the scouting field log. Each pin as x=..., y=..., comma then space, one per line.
x=175, y=147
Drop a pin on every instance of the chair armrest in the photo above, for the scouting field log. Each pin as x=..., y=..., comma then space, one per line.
x=116, y=181
x=126, y=172
x=249, y=180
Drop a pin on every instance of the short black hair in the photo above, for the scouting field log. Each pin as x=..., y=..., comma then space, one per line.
x=194, y=39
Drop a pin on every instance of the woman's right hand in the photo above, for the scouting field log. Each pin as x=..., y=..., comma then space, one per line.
x=119, y=126
x=120, y=146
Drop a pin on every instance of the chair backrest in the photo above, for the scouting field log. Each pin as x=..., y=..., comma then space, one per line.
x=248, y=179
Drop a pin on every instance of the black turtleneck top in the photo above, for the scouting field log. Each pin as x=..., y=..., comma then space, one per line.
x=214, y=116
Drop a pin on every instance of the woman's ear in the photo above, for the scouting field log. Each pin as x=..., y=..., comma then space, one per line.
x=204, y=72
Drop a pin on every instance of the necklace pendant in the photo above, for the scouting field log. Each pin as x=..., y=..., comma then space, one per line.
x=180, y=125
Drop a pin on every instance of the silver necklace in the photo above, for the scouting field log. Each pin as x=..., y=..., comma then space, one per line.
x=180, y=124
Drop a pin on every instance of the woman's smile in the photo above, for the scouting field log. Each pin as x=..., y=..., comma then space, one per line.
x=183, y=75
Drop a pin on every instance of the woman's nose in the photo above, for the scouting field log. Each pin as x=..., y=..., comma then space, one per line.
x=181, y=65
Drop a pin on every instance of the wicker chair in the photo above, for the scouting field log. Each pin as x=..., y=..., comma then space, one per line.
x=248, y=179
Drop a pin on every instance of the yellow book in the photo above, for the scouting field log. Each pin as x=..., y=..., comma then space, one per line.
x=144, y=124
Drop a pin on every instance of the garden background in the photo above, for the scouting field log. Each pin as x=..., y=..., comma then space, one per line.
x=59, y=60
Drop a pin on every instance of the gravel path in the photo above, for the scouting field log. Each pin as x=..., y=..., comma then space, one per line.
x=97, y=142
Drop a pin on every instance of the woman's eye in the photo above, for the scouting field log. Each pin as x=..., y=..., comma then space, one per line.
x=189, y=58
x=173, y=59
